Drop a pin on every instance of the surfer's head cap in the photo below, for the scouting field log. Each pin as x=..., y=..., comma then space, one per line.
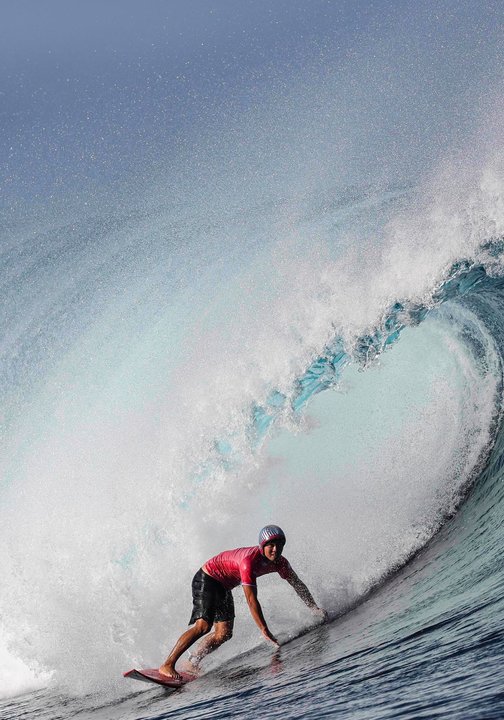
x=270, y=533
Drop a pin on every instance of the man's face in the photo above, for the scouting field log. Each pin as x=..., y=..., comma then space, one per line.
x=272, y=550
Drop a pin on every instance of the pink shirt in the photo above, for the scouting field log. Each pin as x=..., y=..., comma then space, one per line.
x=243, y=566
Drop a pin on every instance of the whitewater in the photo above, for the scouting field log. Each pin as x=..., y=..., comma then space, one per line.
x=279, y=325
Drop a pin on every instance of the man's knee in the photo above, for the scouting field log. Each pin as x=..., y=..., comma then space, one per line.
x=224, y=635
x=202, y=626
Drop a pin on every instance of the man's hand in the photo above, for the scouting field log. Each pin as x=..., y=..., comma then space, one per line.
x=306, y=596
x=257, y=613
x=270, y=638
x=320, y=612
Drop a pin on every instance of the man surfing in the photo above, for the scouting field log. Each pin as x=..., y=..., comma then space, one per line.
x=213, y=602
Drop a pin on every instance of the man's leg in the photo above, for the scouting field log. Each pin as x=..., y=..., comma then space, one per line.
x=223, y=631
x=200, y=628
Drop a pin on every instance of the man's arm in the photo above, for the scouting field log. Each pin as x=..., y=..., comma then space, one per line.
x=305, y=595
x=257, y=613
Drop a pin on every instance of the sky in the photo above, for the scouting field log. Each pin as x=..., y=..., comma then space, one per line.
x=89, y=91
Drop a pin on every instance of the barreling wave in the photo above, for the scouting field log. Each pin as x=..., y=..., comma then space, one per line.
x=467, y=281
x=211, y=485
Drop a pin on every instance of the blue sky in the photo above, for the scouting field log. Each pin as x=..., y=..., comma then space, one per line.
x=124, y=81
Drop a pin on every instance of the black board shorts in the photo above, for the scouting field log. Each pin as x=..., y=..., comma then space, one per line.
x=211, y=600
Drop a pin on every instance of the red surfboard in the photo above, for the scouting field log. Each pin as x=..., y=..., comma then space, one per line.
x=152, y=675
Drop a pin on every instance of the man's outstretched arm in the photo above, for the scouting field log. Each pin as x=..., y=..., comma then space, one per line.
x=306, y=595
x=257, y=613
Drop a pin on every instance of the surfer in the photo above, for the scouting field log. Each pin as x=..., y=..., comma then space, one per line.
x=213, y=602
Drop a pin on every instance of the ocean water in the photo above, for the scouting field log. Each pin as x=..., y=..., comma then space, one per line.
x=288, y=311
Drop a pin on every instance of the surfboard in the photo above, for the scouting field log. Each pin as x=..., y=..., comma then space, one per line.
x=152, y=675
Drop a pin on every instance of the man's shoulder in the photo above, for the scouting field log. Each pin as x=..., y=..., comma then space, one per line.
x=251, y=552
x=284, y=568
x=244, y=553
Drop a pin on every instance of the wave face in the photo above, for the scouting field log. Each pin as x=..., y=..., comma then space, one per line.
x=149, y=425
x=283, y=312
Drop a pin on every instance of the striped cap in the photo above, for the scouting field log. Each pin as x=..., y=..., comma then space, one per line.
x=269, y=533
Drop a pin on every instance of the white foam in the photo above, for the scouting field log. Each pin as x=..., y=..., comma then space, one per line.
x=17, y=678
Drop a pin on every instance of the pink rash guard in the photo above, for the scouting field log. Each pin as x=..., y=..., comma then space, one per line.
x=243, y=566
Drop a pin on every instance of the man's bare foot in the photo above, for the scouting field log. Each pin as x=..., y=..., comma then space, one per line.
x=169, y=671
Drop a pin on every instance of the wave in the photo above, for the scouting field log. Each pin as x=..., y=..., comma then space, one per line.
x=280, y=403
